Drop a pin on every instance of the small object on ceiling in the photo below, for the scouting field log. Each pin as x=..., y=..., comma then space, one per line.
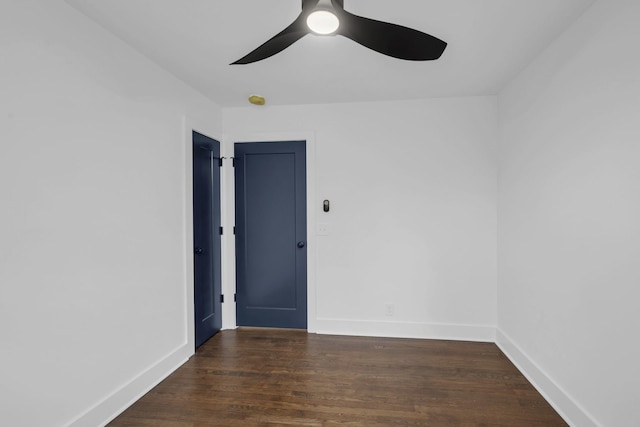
x=328, y=17
x=256, y=100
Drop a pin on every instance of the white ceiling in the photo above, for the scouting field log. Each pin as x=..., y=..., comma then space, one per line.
x=196, y=40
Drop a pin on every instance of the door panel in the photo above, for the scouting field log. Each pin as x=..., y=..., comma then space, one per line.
x=206, y=237
x=271, y=255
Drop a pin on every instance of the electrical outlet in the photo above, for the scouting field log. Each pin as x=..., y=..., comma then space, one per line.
x=389, y=309
x=322, y=229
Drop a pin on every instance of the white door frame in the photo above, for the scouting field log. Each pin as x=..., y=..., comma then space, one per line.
x=228, y=218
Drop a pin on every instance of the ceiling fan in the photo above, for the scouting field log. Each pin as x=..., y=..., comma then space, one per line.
x=328, y=17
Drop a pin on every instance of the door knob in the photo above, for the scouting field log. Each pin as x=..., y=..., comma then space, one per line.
x=199, y=251
x=301, y=245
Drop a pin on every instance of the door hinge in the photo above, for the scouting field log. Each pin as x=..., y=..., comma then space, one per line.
x=234, y=298
x=221, y=230
x=234, y=229
x=221, y=298
x=220, y=161
x=233, y=160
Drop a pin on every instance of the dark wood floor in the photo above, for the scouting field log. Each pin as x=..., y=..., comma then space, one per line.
x=266, y=377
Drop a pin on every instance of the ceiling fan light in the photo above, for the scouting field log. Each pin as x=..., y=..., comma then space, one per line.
x=323, y=22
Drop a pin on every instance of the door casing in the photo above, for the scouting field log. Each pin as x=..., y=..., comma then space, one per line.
x=313, y=206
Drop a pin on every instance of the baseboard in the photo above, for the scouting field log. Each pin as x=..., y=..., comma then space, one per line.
x=417, y=330
x=559, y=399
x=115, y=403
x=106, y=410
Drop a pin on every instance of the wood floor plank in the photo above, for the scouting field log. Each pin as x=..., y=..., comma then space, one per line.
x=270, y=377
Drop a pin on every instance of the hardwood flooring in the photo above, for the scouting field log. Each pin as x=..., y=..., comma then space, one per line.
x=267, y=377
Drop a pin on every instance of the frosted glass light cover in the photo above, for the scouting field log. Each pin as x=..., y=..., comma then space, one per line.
x=323, y=22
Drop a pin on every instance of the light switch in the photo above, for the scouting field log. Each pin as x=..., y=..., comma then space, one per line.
x=323, y=229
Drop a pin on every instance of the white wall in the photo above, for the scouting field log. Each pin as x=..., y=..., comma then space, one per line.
x=412, y=187
x=95, y=219
x=93, y=305
x=569, y=210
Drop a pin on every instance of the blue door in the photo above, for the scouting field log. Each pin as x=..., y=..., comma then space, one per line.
x=271, y=234
x=206, y=237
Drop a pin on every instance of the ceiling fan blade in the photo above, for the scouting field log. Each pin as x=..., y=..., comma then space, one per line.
x=277, y=43
x=390, y=39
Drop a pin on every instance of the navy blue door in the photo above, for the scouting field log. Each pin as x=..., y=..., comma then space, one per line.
x=206, y=237
x=271, y=234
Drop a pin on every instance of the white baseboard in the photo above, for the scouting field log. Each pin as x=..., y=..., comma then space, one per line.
x=106, y=410
x=405, y=330
x=559, y=399
x=115, y=403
